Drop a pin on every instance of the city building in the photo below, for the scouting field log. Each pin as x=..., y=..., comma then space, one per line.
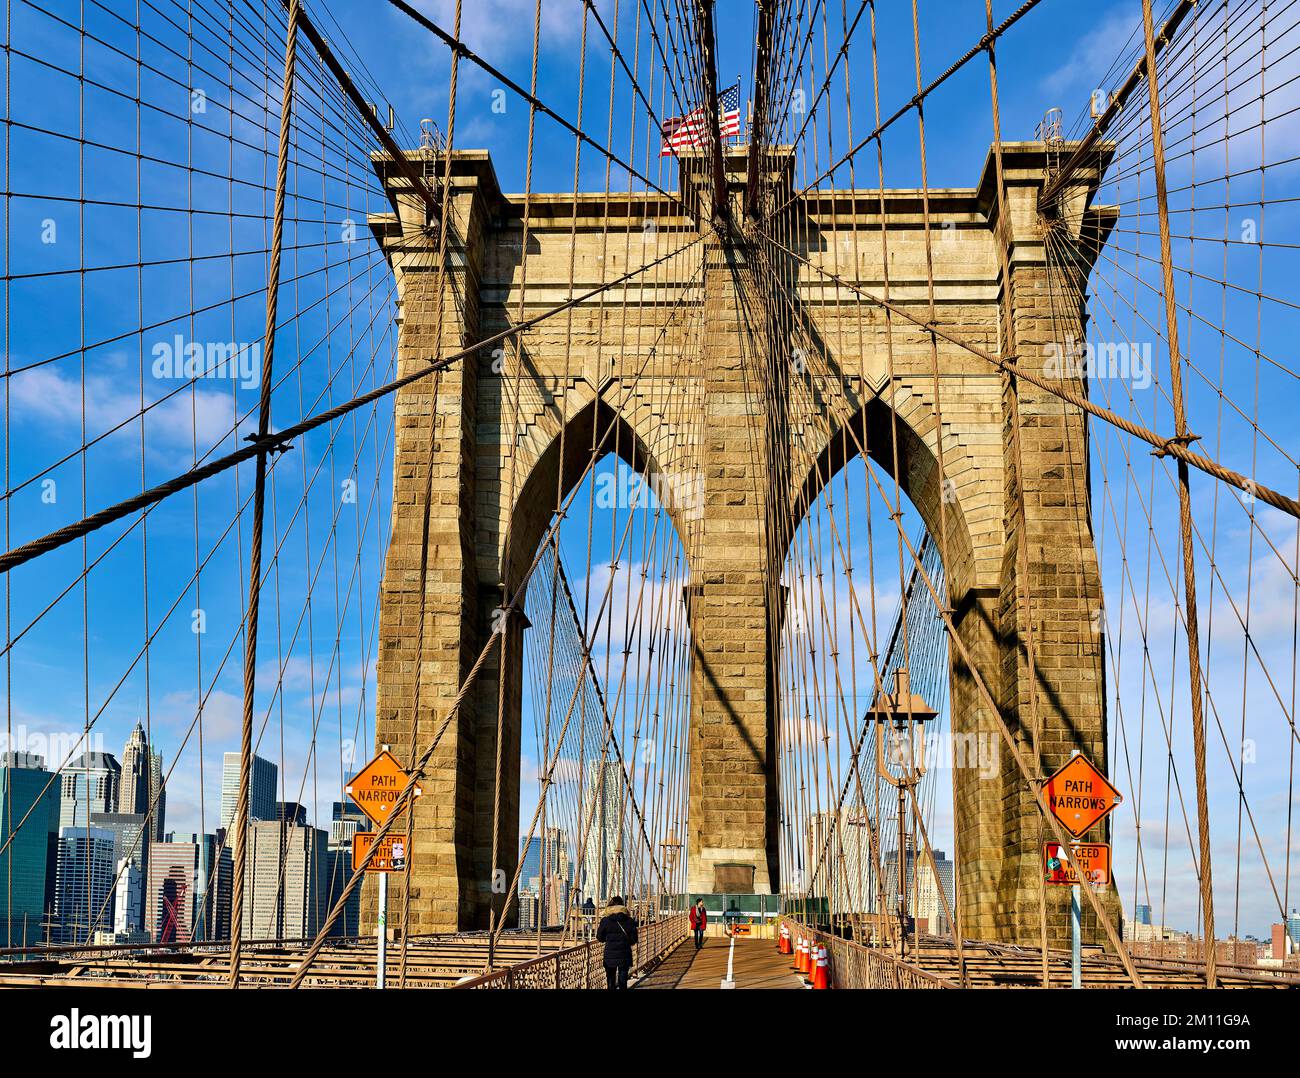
x=840, y=866
x=263, y=779
x=189, y=889
x=556, y=869
x=923, y=888
x=346, y=821
x=89, y=784
x=128, y=901
x=172, y=883
x=286, y=887
x=291, y=812
x=142, y=782
x=530, y=860
x=555, y=902
x=529, y=908
x=603, y=821
x=29, y=820
x=84, y=883
x=131, y=837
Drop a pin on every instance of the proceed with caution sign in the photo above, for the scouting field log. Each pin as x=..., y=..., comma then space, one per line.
x=390, y=857
x=1080, y=796
x=1086, y=862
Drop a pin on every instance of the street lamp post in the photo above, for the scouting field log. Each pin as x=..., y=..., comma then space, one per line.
x=898, y=715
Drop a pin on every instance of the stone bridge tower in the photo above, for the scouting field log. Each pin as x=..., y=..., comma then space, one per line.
x=492, y=491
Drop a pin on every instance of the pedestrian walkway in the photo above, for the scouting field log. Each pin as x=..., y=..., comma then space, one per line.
x=756, y=964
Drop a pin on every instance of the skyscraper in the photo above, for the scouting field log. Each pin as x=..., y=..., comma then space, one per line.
x=554, y=876
x=284, y=875
x=346, y=821
x=531, y=864
x=128, y=902
x=86, y=871
x=839, y=864
x=261, y=789
x=528, y=908
x=603, y=818
x=29, y=820
x=172, y=886
x=90, y=783
x=142, y=782
x=188, y=889
x=922, y=885
x=131, y=837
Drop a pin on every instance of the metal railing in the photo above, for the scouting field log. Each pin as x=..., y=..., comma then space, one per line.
x=582, y=966
x=855, y=966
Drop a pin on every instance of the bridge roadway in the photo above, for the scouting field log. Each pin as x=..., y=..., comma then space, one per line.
x=755, y=964
x=667, y=959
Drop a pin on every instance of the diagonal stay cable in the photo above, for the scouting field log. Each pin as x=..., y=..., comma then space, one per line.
x=461, y=49
x=92, y=523
x=1173, y=447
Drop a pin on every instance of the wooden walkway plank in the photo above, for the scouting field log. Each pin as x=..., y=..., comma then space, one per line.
x=756, y=965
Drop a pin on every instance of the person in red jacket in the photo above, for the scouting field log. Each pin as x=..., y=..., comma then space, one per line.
x=699, y=918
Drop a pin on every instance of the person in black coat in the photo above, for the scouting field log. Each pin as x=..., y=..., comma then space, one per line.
x=617, y=931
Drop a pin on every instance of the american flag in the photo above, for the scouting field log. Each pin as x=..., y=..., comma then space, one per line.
x=691, y=132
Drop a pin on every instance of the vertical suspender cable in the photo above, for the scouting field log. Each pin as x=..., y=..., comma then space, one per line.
x=259, y=501
x=1184, y=501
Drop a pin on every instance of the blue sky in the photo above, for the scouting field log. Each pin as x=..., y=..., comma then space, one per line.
x=80, y=360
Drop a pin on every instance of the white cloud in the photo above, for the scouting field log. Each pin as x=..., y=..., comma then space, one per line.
x=46, y=396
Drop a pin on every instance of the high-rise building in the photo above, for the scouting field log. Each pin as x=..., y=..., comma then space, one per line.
x=554, y=875
x=172, y=884
x=128, y=900
x=922, y=885
x=90, y=783
x=263, y=778
x=555, y=900
x=839, y=864
x=131, y=837
x=604, y=820
x=346, y=821
x=142, y=782
x=1293, y=927
x=291, y=812
x=530, y=859
x=29, y=821
x=1142, y=913
x=130, y=845
x=188, y=892
x=529, y=908
x=86, y=871
x=285, y=881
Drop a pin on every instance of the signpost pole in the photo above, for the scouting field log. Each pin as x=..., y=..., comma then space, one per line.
x=1076, y=938
x=382, y=932
x=376, y=789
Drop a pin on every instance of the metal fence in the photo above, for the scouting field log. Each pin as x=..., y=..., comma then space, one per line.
x=855, y=966
x=582, y=966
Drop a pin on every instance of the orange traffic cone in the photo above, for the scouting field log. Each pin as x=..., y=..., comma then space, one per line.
x=783, y=940
x=800, y=954
x=811, y=964
x=822, y=970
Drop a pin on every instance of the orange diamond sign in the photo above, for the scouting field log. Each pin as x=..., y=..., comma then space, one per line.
x=1080, y=796
x=378, y=785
